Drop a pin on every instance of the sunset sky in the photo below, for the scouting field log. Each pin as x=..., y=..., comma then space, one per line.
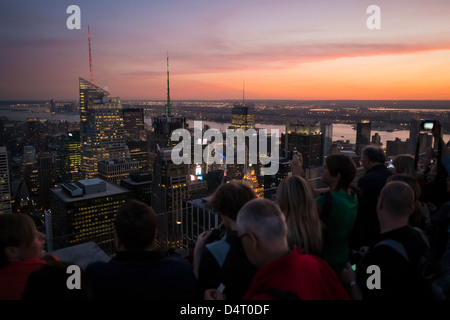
x=282, y=49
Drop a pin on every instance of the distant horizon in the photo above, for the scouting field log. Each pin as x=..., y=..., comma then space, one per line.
x=233, y=100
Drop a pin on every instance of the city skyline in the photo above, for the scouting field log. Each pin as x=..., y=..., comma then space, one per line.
x=282, y=50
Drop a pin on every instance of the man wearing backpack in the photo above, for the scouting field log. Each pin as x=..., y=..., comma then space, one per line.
x=391, y=268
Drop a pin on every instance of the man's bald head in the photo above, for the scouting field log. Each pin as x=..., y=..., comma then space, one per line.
x=397, y=197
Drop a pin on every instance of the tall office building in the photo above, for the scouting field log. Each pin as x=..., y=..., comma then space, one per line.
x=71, y=157
x=242, y=117
x=84, y=211
x=169, y=183
x=102, y=128
x=5, y=188
x=46, y=178
x=363, y=134
x=305, y=138
x=133, y=120
x=136, y=136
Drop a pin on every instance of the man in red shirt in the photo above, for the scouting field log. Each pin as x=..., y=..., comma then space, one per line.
x=281, y=272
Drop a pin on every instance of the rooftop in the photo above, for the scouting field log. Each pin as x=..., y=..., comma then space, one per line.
x=111, y=190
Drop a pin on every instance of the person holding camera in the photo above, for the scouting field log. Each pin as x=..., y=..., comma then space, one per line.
x=223, y=261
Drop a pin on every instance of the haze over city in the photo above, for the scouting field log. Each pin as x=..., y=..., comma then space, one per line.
x=280, y=49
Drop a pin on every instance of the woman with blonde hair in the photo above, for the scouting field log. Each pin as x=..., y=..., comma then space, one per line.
x=296, y=200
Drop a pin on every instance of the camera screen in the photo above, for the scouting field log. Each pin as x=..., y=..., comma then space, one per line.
x=428, y=125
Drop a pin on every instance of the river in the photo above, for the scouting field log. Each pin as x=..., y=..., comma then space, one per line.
x=340, y=131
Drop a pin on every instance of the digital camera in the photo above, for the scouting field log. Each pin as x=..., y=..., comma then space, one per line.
x=427, y=125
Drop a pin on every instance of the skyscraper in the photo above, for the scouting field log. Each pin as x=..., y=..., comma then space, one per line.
x=363, y=134
x=136, y=136
x=242, y=117
x=306, y=139
x=102, y=128
x=85, y=211
x=5, y=190
x=71, y=157
x=169, y=183
x=133, y=120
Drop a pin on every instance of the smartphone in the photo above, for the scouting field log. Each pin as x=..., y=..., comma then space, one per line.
x=427, y=125
x=354, y=267
x=390, y=164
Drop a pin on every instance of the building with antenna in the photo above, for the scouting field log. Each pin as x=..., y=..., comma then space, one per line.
x=170, y=181
x=101, y=125
x=164, y=125
x=102, y=128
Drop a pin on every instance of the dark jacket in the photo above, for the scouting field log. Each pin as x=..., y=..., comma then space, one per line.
x=143, y=275
x=399, y=276
x=234, y=270
x=366, y=228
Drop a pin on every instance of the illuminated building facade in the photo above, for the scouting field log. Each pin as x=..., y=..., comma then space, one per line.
x=85, y=211
x=170, y=189
x=242, y=117
x=71, y=157
x=251, y=179
x=102, y=128
x=5, y=191
x=114, y=170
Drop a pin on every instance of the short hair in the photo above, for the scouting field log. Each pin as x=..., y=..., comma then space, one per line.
x=135, y=225
x=264, y=218
x=398, y=197
x=229, y=198
x=373, y=153
x=17, y=230
x=339, y=163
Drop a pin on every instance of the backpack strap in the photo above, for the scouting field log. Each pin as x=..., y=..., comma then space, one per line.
x=396, y=245
x=423, y=235
x=219, y=249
